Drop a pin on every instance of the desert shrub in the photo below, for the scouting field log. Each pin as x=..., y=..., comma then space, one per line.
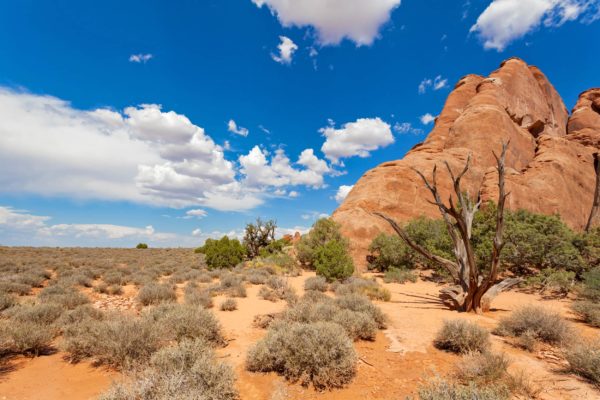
x=114, y=290
x=39, y=314
x=31, y=278
x=20, y=289
x=7, y=301
x=141, y=246
x=333, y=261
x=284, y=263
x=78, y=315
x=81, y=280
x=399, y=275
x=322, y=232
x=198, y=297
x=484, y=367
x=589, y=312
x=389, y=251
x=228, y=305
x=204, y=278
x=367, y=287
x=119, y=341
x=358, y=303
x=358, y=325
x=182, y=372
x=257, y=276
x=319, y=353
x=178, y=322
x=154, y=293
x=316, y=283
x=461, y=336
x=536, y=322
x=66, y=296
x=584, y=360
x=114, y=278
x=440, y=389
x=591, y=285
x=25, y=337
x=549, y=279
x=222, y=253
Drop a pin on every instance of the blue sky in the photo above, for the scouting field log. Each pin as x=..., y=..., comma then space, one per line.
x=170, y=122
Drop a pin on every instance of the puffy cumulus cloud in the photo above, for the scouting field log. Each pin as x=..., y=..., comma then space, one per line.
x=197, y=213
x=286, y=50
x=342, y=193
x=436, y=84
x=18, y=227
x=280, y=232
x=357, y=138
x=427, y=119
x=504, y=21
x=143, y=154
x=140, y=58
x=334, y=20
x=238, y=130
x=261, y=172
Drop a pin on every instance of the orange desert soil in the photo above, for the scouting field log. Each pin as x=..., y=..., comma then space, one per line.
x=391, y=367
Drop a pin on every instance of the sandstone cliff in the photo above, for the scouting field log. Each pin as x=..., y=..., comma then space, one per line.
x=549, y=163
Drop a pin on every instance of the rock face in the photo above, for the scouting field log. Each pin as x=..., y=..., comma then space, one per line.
x=549, y=163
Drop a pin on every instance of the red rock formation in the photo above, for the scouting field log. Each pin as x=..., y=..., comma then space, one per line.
x=549, y=170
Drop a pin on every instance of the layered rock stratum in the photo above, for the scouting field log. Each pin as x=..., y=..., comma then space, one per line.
x=550, y=161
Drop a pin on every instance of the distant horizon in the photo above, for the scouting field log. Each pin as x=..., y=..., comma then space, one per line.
x=169, y=124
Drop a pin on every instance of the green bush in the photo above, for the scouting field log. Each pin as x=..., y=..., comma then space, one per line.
x=141, y=246
x=182, y=372
x=463, y=337
x=332, y=261
x=549, y=279
x=389, y=251
x=535, y=323
x=222, y=253
x=591, y=285
x=319, y=353
x=323, y=231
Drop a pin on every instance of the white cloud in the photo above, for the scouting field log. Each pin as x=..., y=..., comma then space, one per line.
x=504, y=21
x=197, y=232
x=140, y=58
x=427, y=119
x=436, y=84
x=404, y=128
x=197, y=213
x=293, y=194
x=277, y=172
x=357, y=138
x=233, y=128
x=342, y=193
x=334, y=20
x=143, y=155
x=280, y=232
x=286, y=50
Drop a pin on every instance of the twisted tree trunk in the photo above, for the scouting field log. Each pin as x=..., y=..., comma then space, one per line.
x=594, y=219
x=473, y=291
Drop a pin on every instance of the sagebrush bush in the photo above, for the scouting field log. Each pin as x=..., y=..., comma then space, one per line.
x=178, y=322
x=119, y=341
x=367, y=287
x=483, y=367
x=182, y=372
x=399, y=275
x=318, y=353
x=64, y=295
x=154, y=293
x=588, y=311
x=358, y=303
x=537, y=322
x=40, y=314
x=257, y=276
x=584, y=360
x=440, y=389
x=7, y=301
x=316, y=283
x=228, y=305
x=25, y=337
x=198, y=297
x=20, y=289
x=461, y=336
x=278, y=289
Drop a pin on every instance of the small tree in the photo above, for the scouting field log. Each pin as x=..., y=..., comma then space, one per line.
x=332, y=261
x=474, y=288
x=222, y=253
x=259, y=235
x=141, y=246
x=323, y=231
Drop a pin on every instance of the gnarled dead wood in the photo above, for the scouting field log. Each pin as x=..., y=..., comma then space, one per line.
x=594, y=219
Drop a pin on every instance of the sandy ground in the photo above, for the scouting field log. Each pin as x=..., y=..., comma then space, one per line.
x=391, y=367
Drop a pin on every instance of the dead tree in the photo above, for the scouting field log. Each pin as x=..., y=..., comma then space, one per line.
x=473, y=289
x=594, y=219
